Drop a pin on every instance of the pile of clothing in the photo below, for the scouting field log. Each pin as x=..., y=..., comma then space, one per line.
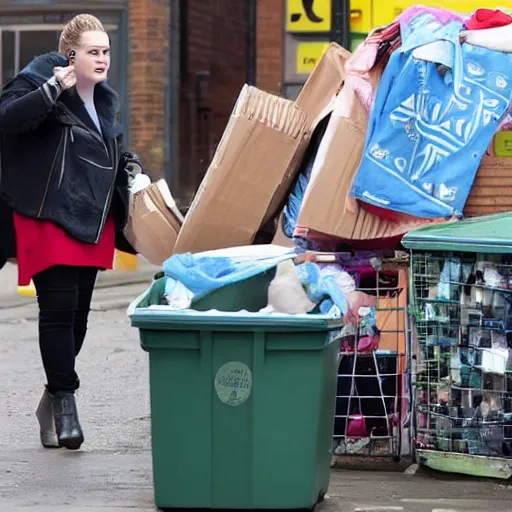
x=436, y=87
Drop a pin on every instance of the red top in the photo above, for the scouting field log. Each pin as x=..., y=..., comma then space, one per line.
x=42, y=244
x=488, y=18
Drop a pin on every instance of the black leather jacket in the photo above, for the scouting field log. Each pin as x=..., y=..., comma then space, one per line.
x=55, y=165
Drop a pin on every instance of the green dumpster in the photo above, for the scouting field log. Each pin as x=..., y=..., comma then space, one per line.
x=242, y=407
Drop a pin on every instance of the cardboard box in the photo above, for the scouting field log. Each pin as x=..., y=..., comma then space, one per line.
x=154, y=223
x=252, y=170
x=328, y=211
x=257, y=160
x=492, y=189
x=316, y=99
x=323, y=84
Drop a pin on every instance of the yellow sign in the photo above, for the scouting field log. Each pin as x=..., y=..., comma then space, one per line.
x=503, y=143
x=308, y=54
x=308, y=15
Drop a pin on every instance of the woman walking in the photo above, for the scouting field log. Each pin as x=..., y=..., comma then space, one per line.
x=60, y=175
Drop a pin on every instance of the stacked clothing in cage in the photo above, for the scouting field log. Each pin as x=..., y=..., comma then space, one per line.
x=463, y=320
x=423, y=109
x=371, y=387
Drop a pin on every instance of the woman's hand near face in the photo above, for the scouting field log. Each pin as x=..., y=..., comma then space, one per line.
x=65, y=76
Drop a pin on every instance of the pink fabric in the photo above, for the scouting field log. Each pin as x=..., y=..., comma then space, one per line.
x=358, y=67
x=506, y=124
x=357, y=70
x=365, y=344
x=444, y=16
x=356, y=300
x=357, y=426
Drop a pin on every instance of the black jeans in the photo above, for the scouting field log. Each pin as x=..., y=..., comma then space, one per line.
x=64, y=294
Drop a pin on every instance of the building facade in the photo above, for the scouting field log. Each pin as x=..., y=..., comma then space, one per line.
x=178, y=66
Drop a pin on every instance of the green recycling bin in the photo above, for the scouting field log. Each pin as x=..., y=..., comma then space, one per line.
x=242, y=407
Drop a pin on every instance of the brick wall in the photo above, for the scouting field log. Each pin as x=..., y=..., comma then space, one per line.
x=269, y=41
x=218, y=45
x=147, y=74
x=216, y=40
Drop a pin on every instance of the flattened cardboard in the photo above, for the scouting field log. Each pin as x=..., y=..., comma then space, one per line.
x=323, y=84
x=251, y=171
x=257, y=160
x=316, y=100
x=154, y=223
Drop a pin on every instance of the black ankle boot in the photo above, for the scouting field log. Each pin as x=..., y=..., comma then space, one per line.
x=46, y=420
x=69, y=431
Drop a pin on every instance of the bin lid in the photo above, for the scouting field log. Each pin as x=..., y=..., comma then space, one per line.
x=488, y=234
x=163, y=317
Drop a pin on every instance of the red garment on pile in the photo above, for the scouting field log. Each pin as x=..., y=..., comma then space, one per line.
x=386, y=214
x=488, y=18
x=42, y=244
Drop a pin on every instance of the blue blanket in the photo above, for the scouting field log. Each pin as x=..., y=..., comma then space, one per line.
x=206, y=272
x=436, y=111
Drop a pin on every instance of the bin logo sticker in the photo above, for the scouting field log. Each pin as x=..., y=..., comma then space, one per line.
x=233, y=383
x=308, y=15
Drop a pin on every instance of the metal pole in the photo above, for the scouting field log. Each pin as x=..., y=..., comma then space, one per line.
x=172, y=102
x=251, y=41
x=341, y=22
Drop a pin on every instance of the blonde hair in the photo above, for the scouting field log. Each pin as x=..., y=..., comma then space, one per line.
x=70, y=37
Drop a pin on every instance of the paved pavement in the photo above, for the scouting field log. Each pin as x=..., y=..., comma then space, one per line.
x=112, y=473
x=114, y=468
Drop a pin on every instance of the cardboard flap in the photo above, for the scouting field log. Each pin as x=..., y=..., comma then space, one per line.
x=324, y=83
x=153, y=226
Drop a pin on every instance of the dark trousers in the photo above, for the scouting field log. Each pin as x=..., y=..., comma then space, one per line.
x=64, y=295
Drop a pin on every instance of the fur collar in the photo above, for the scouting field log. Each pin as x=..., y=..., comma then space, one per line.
x=40, y=69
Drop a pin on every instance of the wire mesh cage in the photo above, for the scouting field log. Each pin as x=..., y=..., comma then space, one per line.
x=372, y=401
x=462, y=365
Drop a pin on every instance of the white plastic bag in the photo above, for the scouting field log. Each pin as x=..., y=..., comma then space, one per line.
x=285, y=292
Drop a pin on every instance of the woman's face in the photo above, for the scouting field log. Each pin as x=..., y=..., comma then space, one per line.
x=92, y=59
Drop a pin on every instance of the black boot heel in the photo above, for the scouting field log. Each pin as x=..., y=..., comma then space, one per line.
x=67, y=425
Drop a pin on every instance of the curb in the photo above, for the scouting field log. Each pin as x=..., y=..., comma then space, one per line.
x=14, y=300
x=110, y=305
x=412, y=469
x=106, y=280
x=379, y=509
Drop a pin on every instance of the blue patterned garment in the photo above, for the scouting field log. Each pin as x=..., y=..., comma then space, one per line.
x=436, y=111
